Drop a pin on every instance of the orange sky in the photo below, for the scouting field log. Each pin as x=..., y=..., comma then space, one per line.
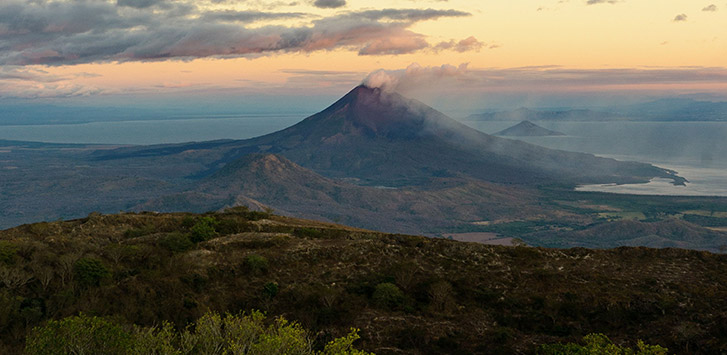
x=639, y=35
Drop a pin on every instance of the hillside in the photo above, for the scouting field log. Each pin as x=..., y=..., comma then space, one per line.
x=262, y=180
x=408, y=295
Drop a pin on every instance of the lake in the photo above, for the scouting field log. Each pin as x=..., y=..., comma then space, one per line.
x=697, y=150
x=186, y=129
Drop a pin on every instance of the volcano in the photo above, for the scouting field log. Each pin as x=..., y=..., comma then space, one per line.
x=375, y=137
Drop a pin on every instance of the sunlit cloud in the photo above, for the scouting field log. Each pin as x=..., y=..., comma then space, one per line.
x=60, y=33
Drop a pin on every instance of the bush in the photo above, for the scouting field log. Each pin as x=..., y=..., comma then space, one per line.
x=80, y=334
x=256, y=263
x=387, y=295
x=8, y=251
x=307, y=233
x=210, y=334
x=139, y=232
x=270, y=289
x=176, y=242
x=602, y=345
x=344, y=345
x=90, y=271
x=203, y=230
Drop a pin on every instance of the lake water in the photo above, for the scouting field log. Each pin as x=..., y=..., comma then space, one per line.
x=153, y=131
x=697, y=150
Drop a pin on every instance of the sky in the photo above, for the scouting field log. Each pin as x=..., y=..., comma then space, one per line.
x=473, y=53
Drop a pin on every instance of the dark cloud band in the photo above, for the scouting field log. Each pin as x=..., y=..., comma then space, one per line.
x=60, y=33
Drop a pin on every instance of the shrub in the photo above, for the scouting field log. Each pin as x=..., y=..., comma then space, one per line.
x=90, y=271
x=204, y=229
x=176, y=242
x=387, y=295
x=602, y=345
x=256, y=263
x=80, y=334
x=8, y=251
x=187, y=222
x=307, y=233
x=139, y=232
x=270, y=289
x=344, y=345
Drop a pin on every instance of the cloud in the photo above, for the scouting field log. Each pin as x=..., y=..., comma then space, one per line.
x=30, y=83
x=462, y=79
x=413, y=76
x=594, y=2
x=468, y=44
x=247, y=16
x=62, y=33
x=710, y=8
x=329, y=4
x=680, y=18
x=138, y=4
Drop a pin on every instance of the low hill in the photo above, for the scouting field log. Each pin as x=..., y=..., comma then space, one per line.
x=527, y=129
x=269, y=180
x=407, y=294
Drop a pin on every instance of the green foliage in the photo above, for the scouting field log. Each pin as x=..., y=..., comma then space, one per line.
x=307, y=233
x=256, y=263
x=282, y=337
x=188, y=222
x=90, y=271
x=387, y=295
x=203, y=229
x=80, y=334
x=139, y=232
x=344, y=345
x=8, y=250
x=176, y=242
x=270, y=289
x=160, y=340
x=599, y=344
x=210, y=334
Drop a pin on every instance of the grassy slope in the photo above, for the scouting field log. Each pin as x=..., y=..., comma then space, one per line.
x=457, y=297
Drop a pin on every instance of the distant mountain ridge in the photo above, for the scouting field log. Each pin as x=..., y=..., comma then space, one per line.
x=666, y=109
x=526, y=114
x=527, y=129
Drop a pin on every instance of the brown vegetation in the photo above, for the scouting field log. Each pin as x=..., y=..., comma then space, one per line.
x=407, y=294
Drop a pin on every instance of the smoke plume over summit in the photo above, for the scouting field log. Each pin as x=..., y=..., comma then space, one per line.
x=414, y=76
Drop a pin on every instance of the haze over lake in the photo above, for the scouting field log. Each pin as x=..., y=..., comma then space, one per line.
x=694, y=149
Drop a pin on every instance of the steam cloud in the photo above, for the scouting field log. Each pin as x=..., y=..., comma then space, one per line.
x=413, y=76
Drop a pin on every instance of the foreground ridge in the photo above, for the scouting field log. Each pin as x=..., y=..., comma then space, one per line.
x=407, y=294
